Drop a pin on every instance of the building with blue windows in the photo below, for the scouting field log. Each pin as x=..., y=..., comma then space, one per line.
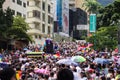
x=59, y=14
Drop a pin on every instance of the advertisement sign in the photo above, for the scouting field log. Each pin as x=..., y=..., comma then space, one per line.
x=82, y=27
x=92, y=22
x=65, y=16
x=59, y=14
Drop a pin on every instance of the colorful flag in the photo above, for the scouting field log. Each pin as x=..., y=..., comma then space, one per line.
x=1, y=58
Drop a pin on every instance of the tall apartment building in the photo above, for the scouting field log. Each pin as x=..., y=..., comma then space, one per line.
x=18, y=7
x=76, y=4
x=40, y=19
x=79, y=4
x=38, y=15
x=71, y=4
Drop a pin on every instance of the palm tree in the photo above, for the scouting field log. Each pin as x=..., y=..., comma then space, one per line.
x=91, y=6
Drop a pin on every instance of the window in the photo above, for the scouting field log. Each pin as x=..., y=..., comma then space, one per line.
x=24, y=16
x=37, y=3
x=19, y=14
x=13, y=0
x=27, y=3
x=24, y=5
x=36, y=36
x=49, y=19
x=29, y=14
x=39, y=37
x=43, y=28
x=43, y=16
x=72, y=5
x=48, y=29
x=13, y=11
x=19, y=2
x=37, y=25
x=36, y=14
x=48, y=8
x=43, y=6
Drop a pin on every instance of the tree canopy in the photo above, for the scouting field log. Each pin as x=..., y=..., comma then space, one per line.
x=91, y=6
x=1, y=2
x=18, y=31
x=12, y=28
x=109, y=15
x=105, y=37
x=6, y=20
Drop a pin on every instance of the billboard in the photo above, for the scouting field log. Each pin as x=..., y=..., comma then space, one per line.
x=59, y=14
x=65, y=16
x=92, y=22
x=82, y=27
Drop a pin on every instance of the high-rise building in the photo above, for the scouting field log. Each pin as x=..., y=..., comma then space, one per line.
x=38, y=14
x=17, y=6
x=79, y=4
x=78, y=16
x=63, y=16
x=40, y=19
x=54, y=9
x=76, y=4
x=71, y=4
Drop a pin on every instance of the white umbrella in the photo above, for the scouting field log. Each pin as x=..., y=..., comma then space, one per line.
x=66, y=62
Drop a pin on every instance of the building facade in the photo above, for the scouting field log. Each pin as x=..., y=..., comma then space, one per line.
x=71, y=4
x=40, y=19
x=38, y=14
x=79, y=4
x=19, y=7
x=77, y=17
x=76, y=4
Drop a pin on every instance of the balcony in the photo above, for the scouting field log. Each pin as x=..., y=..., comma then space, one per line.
x=33, y=19
x=34, y=31
x=33, y=8
x=72, y=2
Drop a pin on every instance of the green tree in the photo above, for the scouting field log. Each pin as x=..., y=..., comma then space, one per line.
x=105, y=37
x=18, y=31
x=109, y=15
x=91, y=6
x=6, y=20
x=1, y=2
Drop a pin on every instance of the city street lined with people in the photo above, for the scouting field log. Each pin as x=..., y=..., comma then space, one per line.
x=70, y=61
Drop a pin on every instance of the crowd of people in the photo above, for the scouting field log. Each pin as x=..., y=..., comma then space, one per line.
x=16, y=65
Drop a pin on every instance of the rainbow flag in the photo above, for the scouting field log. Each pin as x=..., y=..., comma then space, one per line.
x=1, y=58
x=57, y=55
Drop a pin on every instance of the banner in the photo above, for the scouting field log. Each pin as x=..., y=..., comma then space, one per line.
x=92, y=23
x=59, y=14
x=65, y=16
